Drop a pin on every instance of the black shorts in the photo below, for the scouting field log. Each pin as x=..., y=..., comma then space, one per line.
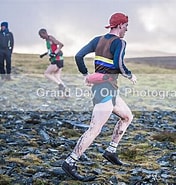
x=59, y=63
x=103, y=92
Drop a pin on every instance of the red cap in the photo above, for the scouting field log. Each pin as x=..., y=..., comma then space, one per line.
x=117, y=19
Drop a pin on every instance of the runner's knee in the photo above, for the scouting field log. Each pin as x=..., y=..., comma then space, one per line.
x=128, y=117
x=46, y=73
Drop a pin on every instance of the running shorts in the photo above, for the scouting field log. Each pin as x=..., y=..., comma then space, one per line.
x=104, y=92
x=59, y=63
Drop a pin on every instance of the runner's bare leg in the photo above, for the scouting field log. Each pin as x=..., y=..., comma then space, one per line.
x=49, y=73
x=123, y=111
x=57, y=75
x=100, y=115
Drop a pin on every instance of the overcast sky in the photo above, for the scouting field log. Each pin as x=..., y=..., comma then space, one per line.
x=151, y=30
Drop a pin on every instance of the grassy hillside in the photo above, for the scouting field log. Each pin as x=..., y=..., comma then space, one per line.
x=155, y=89
x=31, y=63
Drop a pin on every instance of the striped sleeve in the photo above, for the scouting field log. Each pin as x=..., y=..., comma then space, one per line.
x=119, y=59
x=79, y=57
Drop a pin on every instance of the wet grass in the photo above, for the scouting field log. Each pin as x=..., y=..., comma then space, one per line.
x=165, y=136
x=5, y=180
x=70, y=133
x=26, y=160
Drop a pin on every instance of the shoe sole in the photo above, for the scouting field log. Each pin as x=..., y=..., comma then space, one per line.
x=109, y=159
x=84, y=179
x=106, y=157
x=69, y=174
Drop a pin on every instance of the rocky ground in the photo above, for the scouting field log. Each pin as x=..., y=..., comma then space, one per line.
x=39, y=127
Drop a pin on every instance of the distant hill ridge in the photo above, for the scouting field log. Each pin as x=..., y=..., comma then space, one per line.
x=168, y=62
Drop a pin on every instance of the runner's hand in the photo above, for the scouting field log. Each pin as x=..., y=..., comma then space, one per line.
x=133, y=79
x=86, y=81
x=52, y=55
x=44, y=54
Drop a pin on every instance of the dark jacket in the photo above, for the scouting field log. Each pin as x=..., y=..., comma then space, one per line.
x=6, y=40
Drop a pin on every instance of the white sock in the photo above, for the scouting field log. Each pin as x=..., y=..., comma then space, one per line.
x=72, y=159
x=112, y=147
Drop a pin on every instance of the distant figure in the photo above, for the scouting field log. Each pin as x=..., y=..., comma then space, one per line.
x=109, y=52
x=53, y=72
x=6, y=49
